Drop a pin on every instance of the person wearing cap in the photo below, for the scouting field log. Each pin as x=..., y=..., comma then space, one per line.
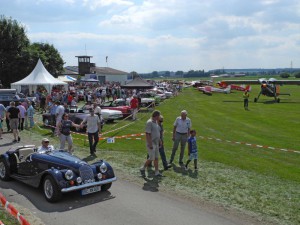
x=181, y=130
x=93, y=128
x=45, y=147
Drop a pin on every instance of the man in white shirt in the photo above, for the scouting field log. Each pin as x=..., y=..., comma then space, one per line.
x=45, y=146
x=181, y=130
x=93, y=128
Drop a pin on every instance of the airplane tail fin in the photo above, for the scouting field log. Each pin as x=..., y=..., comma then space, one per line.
x=222, y=84
x=248, y=88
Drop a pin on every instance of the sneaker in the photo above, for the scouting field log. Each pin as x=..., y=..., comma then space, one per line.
x=196, y=168
x=19, y=139
x=14, y=141
x=167, y=167
x=186, y=168
x=158, y=175
x=142, y=170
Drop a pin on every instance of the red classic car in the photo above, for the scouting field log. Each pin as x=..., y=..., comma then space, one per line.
x=117, y=105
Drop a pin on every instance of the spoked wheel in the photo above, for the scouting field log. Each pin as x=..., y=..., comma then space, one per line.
x=105, y=187
x=51, y=190
x=4, y=171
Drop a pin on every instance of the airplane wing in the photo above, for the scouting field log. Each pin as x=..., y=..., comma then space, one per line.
x=241, y=81
x=263, y=80
x=287, y=82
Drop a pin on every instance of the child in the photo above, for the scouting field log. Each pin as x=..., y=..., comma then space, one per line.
x=192, y=150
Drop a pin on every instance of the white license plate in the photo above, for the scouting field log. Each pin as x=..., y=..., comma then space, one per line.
x=90, y=190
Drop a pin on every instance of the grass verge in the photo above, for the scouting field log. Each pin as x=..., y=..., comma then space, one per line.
x=259, y=181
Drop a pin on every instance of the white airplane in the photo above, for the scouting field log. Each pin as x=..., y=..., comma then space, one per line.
x=209, y=90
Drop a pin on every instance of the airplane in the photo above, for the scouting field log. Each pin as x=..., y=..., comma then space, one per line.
x=223, y=84
x=269, y=87
x=210, y=89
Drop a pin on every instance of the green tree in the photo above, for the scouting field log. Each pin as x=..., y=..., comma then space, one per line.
x=154, y=74
x=18, y=57
x=297, y=74
x=284, y=75
x=134, y=74
x=49, y=56
x=13, y=45
x=179, y=73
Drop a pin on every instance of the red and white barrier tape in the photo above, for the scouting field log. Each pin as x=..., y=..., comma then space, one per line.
x=12, y=210
x=251, y=145
x=209, y=138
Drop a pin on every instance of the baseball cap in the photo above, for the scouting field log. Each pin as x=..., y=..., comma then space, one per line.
x=45, y=140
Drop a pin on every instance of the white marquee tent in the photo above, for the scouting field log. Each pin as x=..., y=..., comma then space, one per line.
x=39, y=76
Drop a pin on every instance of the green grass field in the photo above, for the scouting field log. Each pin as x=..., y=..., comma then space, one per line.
x=261, y=181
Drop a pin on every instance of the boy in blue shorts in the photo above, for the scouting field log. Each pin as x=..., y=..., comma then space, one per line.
x=192, y=150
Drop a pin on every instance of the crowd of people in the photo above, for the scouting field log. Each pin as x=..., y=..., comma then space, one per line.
x=57, y=103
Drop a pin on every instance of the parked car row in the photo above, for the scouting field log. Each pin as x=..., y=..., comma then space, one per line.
x=77, y=115
x=113, y=110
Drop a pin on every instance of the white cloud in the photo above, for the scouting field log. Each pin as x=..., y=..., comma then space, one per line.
x=147, y=35
x=95, y=4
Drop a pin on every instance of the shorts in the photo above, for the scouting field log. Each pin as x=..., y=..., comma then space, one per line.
x=14, y=123
x=63, y=139
x=154, y=152
x=193, y=156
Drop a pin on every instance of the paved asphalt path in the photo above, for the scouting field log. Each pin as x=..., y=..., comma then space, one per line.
x=125, y=203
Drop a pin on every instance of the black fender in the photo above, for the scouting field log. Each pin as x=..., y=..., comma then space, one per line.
x=5, y=157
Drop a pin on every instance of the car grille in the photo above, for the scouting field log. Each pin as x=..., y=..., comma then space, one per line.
x=86, y=174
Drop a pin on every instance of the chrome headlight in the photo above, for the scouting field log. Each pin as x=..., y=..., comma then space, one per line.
x=78, y=180
x=69, y=174
x=99, y=176
x=103, y=168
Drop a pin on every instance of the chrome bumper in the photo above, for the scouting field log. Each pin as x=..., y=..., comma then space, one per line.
x=83, y=186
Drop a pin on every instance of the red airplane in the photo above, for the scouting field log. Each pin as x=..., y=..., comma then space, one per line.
x=210, y=89
x=223, y=84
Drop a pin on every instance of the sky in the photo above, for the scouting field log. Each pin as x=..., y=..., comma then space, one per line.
x=165, y=35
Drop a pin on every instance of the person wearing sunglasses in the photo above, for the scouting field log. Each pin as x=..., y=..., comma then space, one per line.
x=45, y=147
